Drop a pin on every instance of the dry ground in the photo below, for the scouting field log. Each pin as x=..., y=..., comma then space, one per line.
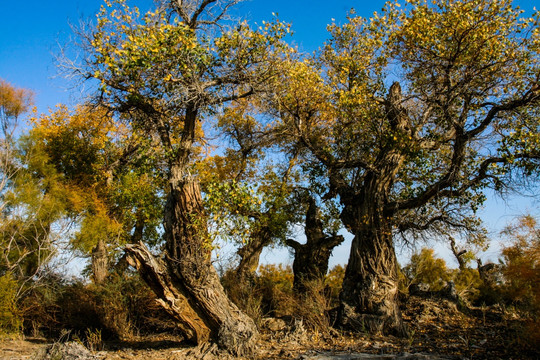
x=438, y=330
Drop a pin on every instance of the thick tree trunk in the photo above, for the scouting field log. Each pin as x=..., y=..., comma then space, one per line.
x=187, y=283
x=369, y=297
x=170, y=293
x=100, y=262
x=311, y=259
x=250, y=255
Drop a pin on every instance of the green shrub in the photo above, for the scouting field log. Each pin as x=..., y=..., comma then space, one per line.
x=521, y=268
x=275, y=285
x=468, y=284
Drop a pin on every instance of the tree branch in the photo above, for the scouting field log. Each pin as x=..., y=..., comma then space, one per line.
x=293, y=243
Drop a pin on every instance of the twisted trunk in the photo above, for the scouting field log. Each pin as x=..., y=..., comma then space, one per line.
x=369, y=296
x=250, y=255
x=186, y=281
x=311, y=259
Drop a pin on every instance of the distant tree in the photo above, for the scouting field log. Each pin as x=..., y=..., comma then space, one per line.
x=257, y=194
x=410, y=115
x=249, y=189
x=32, y=202
x=311, y=258
x=114, y=199
x=425, y=268
x=520, y=270
x=521, y=263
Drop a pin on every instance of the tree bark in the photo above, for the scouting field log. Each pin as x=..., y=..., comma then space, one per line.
x=250, y=255
x=170, y=293
x=458, y=254
x=186, y=282
x=311, y=259
x=369, y=296
x=100, y=262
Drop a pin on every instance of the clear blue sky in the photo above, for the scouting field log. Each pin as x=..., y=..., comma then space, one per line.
x=31, y=31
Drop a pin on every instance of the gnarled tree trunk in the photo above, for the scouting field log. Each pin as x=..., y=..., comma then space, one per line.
x=311, y=259
x=369, y=296
x=250, y=255
x=100, y=262
x=186, y=281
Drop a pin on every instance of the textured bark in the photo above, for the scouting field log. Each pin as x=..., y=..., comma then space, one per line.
x=458, y=254
x=369, y=296
x=189, y=260
x=186, y=282
x=170, y=294
x=311, y=259
x=250, y=255
x=100, y=262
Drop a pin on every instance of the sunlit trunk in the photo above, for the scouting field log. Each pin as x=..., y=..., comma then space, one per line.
x=100, y=262
x=188, y=284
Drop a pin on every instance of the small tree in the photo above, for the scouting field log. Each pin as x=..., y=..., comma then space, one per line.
x=112, y=198
x=249, y=189
x=425, y=268
x=32, y=205
x=521, y=263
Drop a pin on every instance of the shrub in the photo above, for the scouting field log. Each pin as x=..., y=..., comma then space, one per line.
x=275, y=285
x=247, y=296
x=521, y=265
x=425, y=268
x=313, y=306
x=121, y=307
x=10, y=320
x=333, y=282
x=468, y=284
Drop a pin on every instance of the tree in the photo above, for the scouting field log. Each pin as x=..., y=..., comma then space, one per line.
x=249, y=189
x=114, y=198
x=166, y=73
x=425, y=268
x=411, y=114
x=32, y=203
x=520, y=270
x=520, y=263
x=311, y=259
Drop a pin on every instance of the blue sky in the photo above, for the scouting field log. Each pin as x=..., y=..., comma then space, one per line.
x=32, y=30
